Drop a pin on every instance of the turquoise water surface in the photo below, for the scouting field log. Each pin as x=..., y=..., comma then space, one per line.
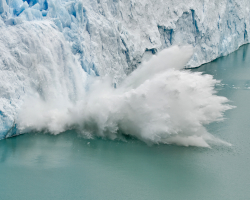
x=42, y=166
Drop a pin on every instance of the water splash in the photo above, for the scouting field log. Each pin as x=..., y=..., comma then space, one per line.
x=157, y=103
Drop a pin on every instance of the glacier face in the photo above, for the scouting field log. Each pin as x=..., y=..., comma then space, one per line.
x=44, y=39
x=114, y=36
x=35, y=63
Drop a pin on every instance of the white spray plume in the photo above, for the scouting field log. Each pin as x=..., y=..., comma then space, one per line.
x=157, y=103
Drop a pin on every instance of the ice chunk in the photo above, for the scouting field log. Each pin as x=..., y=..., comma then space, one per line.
x=43, y=4
x=3, y=6
x=16, y=5
x=36, y=6
x=31, y=14
x=22, y=8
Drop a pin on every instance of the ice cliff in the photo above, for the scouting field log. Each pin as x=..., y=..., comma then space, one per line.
x=113, y=37
x=63, y=42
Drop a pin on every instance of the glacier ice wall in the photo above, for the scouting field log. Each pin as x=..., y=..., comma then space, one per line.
x=51, y=47
x=114, y=36
x=35, y=62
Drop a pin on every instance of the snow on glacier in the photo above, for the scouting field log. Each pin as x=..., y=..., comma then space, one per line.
x=50, y=48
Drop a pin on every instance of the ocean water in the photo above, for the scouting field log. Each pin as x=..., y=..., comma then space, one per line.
x=67, y=166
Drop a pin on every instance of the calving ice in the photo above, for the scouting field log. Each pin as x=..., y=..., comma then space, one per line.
x=157, y=103
x=90, y=66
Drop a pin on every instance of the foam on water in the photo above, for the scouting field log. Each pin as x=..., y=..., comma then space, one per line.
x=157, y=103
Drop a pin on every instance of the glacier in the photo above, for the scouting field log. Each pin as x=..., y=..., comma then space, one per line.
x=50, y=50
